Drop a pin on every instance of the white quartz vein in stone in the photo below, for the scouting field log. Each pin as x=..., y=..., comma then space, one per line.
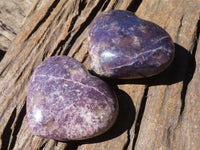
x=162, y=38
x=135, y=57
x=60, y=78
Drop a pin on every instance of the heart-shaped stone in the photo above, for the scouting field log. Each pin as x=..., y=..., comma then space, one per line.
x=121, y=45
x=65, y=102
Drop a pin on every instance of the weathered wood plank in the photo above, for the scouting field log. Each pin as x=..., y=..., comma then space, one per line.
x=187, y=132
x=12, y=15
x=49, y=29
x=154, y=112
x=166, y=103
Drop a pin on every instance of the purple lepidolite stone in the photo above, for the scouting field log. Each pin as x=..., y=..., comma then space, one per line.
x=65, y=102
x=121, y=45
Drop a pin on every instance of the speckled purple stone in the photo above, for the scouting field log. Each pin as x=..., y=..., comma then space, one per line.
x=121, y=45
x=65, y=102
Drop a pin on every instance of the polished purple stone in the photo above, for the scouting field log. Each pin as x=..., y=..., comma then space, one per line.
x=121, y=45
x=65, y=102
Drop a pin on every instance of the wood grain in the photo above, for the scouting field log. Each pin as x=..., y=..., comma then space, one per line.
x=160, y=112
x=12, y=16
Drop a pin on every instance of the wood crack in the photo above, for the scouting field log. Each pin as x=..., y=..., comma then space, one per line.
x=5, y=37
x=128, y=140
x=105, y=5
x=84, y=25
x=114, y=4
x=72, y=145
x=48, y=13
x=85, y=57
x=2, y=53
x=179, y=28
x=73, y=55
x=82, y=5
x=43, y=146
x=140, y=115
x=7, y=28
x=5, y=137
x=196, y=38
x=190, y=69
x=186, y=81
x=134, y=5
x=18, y=125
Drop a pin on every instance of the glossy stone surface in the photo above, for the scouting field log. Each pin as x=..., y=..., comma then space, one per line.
x=65, y=102
x=121, y=45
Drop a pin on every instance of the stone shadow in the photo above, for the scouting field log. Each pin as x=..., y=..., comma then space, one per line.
x=123, y=123
x=2, y=53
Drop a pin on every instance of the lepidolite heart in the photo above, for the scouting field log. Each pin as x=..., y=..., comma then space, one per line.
x=65, y=102
x=121, y=45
